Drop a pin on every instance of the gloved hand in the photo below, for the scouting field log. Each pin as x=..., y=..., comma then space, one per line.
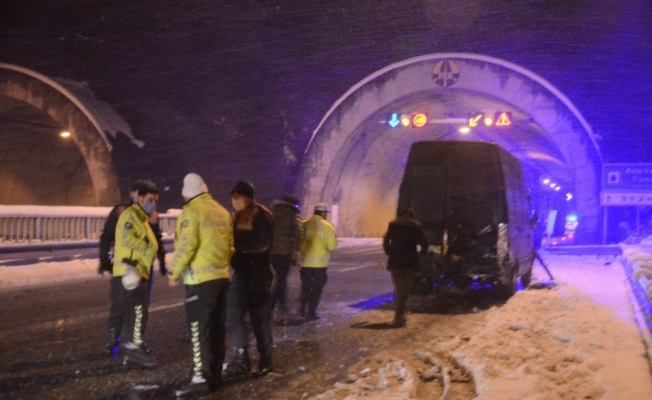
x=162, y=268
x=105, y=266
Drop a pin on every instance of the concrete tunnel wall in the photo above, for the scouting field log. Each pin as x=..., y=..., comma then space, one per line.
x=66, y=110
x=357, y=163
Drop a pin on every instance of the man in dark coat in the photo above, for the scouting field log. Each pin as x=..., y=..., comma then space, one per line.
x=253, y=230
x=285, y=250
x=400, y=244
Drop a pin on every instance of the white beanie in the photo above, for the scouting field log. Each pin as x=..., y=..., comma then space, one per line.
x=193, y=185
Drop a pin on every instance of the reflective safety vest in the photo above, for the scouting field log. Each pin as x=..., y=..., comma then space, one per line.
x=203, y=241
x=135, y=242
x=317, y=241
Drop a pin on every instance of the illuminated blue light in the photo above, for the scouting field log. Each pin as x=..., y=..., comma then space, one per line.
x=394, y=121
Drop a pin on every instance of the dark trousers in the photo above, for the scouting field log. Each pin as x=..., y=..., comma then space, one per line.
x=134, y=302
x=281, y=264
x=206, y=315
x=312, y=283
x=402, y=279
x=250, y=294
x=117, y=310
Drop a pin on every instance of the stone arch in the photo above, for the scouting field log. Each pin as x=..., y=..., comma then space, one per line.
x=73, y=108
x=356, y=160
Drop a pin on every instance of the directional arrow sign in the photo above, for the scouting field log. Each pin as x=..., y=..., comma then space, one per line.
x=473, y=121
x=394, y=121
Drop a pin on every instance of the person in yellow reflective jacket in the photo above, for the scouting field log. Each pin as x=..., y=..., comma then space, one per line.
x=135, y=250
x=317, y=241
x=203, y=248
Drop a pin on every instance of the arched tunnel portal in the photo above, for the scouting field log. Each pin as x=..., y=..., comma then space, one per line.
x=37, y=165
x=356, y=160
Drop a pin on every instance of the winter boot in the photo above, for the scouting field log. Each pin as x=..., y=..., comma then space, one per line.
x=197, y=386
x=265, y=366
x=238, y=366
x=112, y=342
x=302, y=309
x=137, y=355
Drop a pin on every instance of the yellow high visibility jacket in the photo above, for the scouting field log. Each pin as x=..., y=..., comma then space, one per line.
x=134, y=240
x=317, y=241
x=203, y=241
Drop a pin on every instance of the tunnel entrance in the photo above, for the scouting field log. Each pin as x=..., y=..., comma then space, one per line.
x=37, y=165
x=356, y=157
x=40, y=167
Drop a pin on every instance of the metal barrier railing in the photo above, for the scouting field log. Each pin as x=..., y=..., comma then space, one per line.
x=36, y=224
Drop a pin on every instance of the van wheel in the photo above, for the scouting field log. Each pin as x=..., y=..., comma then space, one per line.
x=510, y=288
x=526, y=279
x=422, y=286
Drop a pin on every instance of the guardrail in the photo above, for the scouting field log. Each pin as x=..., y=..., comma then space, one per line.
x=38, y=224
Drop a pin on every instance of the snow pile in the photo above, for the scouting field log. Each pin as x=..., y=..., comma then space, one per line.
x=542, y=344
x=385, y=376
x=641, y=263
x=43, y=273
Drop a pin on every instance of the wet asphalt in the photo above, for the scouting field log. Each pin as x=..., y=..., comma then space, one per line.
x=52, y=337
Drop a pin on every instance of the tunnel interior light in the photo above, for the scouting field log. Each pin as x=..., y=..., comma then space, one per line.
x=569, y=196
x=552, y=185
x=546, y=181
x=419, y=120
x=65, y=134
x=465, y=129
x=405, y=120
x=557, y=188
x=488, y=121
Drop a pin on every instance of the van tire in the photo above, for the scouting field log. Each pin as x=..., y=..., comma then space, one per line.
x=509, y=289
x=526, y=279
x=422, y=286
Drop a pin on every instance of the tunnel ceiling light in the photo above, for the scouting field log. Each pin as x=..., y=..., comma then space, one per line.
x=569, y=196
x=546, y=181
x=465, y=130
x=65, y=134
x=552, y=185
x=557, y=188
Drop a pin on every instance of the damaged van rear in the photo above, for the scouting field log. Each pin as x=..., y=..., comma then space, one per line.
x=473, y=202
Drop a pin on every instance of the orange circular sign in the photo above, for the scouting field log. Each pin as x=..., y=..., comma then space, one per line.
x=419, y=120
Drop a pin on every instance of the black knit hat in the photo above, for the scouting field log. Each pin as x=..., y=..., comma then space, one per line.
x=288, y=198
x=244, y=188
x=143, y=186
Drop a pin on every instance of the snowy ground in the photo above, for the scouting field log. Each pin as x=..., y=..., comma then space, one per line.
x=576, y=340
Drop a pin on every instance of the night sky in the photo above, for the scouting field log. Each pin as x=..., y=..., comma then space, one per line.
x=222, y=87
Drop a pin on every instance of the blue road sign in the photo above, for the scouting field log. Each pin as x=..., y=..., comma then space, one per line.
x=627, y=177
x=626, y=185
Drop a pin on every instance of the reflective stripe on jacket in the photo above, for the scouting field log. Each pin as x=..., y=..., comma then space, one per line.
x=203, y=241
x=318, y=240
x=135, y=241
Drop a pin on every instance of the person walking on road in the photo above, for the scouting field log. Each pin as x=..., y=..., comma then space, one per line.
x=317, y=242
x=253, y=227
x=136, y=248
x=107, y=240
x=285, y=251
x=204, y=246
x=400, y=243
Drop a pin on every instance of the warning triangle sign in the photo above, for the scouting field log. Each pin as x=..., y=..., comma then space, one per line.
x=504, y=118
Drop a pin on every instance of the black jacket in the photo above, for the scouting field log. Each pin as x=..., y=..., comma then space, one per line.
x=400, y=243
